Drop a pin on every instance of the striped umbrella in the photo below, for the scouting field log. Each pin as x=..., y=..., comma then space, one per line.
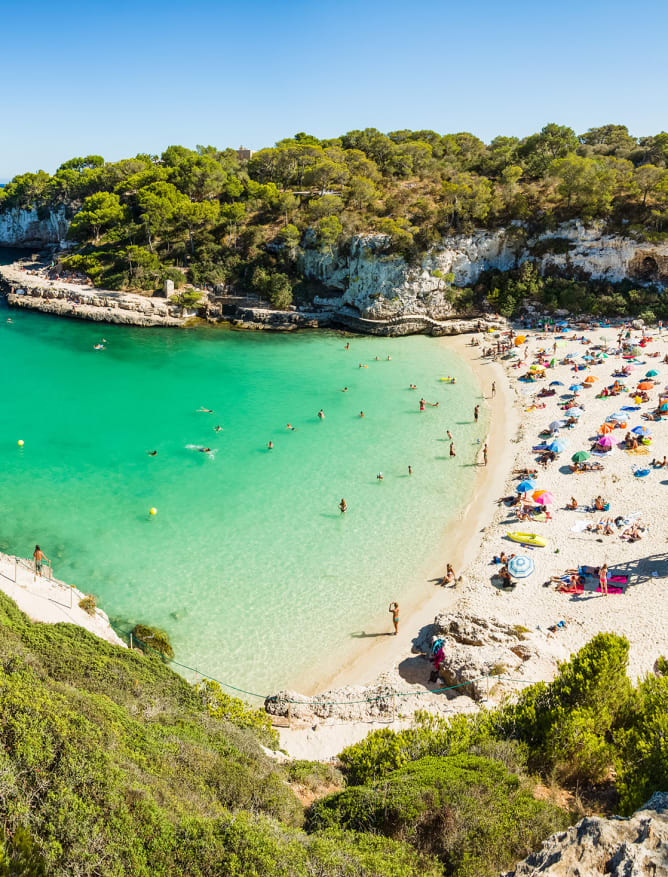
x=520, y=566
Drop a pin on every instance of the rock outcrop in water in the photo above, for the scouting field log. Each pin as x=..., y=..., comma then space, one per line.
x=618, y=847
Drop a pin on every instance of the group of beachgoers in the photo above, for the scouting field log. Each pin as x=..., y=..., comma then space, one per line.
x=593, y=356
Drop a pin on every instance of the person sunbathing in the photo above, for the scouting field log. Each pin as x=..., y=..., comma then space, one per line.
x=526, y=473
x=573, y=504
x=570, y=585
x=599, y=504
x=504, y=575
x=660, y=464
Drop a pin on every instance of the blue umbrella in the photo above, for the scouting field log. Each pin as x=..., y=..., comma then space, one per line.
x=575, y=412
x=641, y=430
x=520, y=566
x=575, y=387
x=614, y=417
x=640, y=473
x=630, y=408
x=651, y=373
x=555, y=426
x=525, y=486
x=557, y=446
x=556, y=384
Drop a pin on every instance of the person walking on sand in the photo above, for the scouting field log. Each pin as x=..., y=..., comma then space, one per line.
x=476, y=412
x=39, y=557
x=394, y=610
x=484, y=453
x=343, y=505
x=603, y=579
x=493, y=389
x=449, y=434
x=452, y=449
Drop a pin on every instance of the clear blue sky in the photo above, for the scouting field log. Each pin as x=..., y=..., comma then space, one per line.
x=126, y=77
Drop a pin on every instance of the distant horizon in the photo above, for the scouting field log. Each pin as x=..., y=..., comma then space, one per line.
x=226, y=74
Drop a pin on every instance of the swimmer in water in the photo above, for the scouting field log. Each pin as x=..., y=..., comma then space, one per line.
x=421, y=404
x=321, y=414
x=412, y=386
x=290, y=426
x=379, y=476
x=389, y=358
x=361, y=414
x=410, y=470
x=204, y=450
x=98, y=347
x=9, y=320
x=270, y=446
x=217, y=428
x=343, y=505
x=152, y=453
x=344, y=390
x=205, y=410
x=347, y=347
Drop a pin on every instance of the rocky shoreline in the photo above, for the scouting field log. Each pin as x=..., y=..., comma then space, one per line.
x=30, y=291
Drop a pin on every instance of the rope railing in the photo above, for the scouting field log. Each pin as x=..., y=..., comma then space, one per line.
x=315, y=701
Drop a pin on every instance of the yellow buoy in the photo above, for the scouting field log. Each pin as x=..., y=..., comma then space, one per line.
x=20, y=443
x=153, y=511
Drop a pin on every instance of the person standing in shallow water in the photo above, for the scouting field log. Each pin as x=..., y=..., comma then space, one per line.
x=394, y=610
x=343, y=505
x=476, y=412
x=484, y=454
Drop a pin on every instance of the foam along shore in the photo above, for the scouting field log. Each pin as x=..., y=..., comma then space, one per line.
x=34, y=291
x=552, y=624
x=49, y=600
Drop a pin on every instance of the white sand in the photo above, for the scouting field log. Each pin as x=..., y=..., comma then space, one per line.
x=49, y=600
x=640, y=613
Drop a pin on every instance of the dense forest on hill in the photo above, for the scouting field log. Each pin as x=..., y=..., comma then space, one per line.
x=206, y=217
x=112, y=764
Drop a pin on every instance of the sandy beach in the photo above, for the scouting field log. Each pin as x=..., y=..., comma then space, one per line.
x=520, y=422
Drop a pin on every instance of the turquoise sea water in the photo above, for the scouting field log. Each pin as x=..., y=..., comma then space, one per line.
x=249, y=564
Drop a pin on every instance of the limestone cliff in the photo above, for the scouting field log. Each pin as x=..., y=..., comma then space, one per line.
x=618, y=847
x=381, y=286
x=32, y=229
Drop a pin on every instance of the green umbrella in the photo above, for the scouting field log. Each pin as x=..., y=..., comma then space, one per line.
x=580, y=456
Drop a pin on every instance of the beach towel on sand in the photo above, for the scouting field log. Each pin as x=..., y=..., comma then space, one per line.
x=612, y=589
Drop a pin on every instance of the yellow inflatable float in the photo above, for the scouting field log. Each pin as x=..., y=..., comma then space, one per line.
x=528, y=539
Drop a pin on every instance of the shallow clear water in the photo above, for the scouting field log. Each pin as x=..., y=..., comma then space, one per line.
x=249, y=564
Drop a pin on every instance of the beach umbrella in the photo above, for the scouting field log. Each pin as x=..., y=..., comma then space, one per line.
x=664, y=406
x=614, y=416
x=556, y=384
x=542, y=497
x=575, y=387
x=557, y=446
x=525, y=486
x=580, y=456
x=605, y=428
x=645, y=385
x=641, y=430
x=519, y=340
x=520, y=566
x=555, y=426
x=591, y=379
x=651, y=373
x=575, y=412
x=605, y=442
x=640, y=473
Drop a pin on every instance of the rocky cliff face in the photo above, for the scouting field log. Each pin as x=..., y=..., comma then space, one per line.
x=380, y=286
x=618, y=847
x=26, y=228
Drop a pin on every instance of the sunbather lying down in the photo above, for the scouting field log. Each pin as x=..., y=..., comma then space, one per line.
x=586, y=467
x=568, y=583
x=634, y=533
x=605, y=527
